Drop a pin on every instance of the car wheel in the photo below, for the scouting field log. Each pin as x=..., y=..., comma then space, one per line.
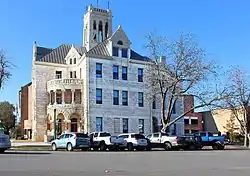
x=102, y=146
x=215, y=147
x=54, y=148
x=69, y=147
x=192, y=147
x=95, y=148
x=130, y=147
x=2, y=150
x=167, y=146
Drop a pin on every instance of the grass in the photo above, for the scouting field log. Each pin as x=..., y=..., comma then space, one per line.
x=31, y=148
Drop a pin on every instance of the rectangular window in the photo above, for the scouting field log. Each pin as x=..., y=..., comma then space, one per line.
x=98, y=70
x=115, y=97
x=141, y=126
x=98, y=96
x=174, y=109
x=125, y=98
x=174, y=130
x=115, y=72
x=58, y=96
x=125, y=125
x=186, y=121
x=74, y=74
x=58, y=74
x=117, y=125
x=140, y=99
x=194, y=121
x=154, y=103
x=140, y=75
x=124, y=73
x=116, y=51
x=98, y=124
x=124, y=52
x=71, y=74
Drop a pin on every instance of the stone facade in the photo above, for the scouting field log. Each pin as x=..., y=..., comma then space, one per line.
x=65, y=79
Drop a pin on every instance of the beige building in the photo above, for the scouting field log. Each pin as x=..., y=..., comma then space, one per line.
x=99, y=86
x=217, y=120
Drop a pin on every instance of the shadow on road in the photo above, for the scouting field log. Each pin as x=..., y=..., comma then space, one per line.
x=24, y=153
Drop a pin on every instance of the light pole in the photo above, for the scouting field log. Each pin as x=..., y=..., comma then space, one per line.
x=54, y=123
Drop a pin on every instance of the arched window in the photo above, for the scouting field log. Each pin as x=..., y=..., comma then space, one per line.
x=94, y=25
x=106, y=30
x=120, y=42
x=74, y=60
x=100, y=32
x=59, y=126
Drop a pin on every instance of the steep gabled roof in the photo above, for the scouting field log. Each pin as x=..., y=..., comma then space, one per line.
x=100, y=49
x=58, y=54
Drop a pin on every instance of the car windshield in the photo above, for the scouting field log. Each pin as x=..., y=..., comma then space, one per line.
x=81, y=135
x=104, y=134
x=138, y=136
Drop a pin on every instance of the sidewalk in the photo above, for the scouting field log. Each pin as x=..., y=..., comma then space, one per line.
x=21, y=144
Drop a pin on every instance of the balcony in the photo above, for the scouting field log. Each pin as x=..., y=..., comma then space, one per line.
x=63, y=84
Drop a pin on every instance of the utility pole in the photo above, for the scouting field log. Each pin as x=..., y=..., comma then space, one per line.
x=54, y=123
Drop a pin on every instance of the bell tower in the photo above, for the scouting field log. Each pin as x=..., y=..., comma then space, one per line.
x=97, y=26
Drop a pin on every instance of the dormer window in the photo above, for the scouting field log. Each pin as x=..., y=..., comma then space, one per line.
x=120, y=42
x=116, y=51
x=70, y=61
x=125, y=52
x=74, y=60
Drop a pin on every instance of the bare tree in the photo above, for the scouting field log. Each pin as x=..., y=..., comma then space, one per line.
x=5, y=66
x=184, y=72
x=239, y=99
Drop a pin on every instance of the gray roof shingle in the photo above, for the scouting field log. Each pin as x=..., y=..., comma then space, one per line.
x=58, y=54
x=100, y=49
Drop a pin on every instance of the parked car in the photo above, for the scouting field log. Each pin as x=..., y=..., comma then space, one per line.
x=208, y=139
x=71, y=141
x=134, y=141
x=4, y=142
x=104, y=141
x=190, y=142
x=163, y=140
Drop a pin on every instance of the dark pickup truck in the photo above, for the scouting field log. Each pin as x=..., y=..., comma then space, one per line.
x=208, y=139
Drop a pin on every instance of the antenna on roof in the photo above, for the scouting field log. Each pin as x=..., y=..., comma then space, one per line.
x=97, y=3
x=108, y=5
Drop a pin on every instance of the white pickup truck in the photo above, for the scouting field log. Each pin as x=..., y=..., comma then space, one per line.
x=104, y=141
x=162, y=140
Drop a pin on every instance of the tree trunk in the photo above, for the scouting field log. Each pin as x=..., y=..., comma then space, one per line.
x=245, y=139
x=248, y=135
x=163, y=111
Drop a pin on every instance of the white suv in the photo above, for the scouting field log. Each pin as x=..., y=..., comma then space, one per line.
x=135, y=141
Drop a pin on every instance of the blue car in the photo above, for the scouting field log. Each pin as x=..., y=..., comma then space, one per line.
x=71, y=141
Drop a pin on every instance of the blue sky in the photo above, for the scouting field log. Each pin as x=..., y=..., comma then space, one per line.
x=222, y=27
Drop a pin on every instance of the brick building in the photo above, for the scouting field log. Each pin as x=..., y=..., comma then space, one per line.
x=193, y=120
x=24, y=107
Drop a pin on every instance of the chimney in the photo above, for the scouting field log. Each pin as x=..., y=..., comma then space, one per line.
x=163, y=59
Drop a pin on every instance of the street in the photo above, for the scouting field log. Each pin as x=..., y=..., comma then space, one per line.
x=157, y=163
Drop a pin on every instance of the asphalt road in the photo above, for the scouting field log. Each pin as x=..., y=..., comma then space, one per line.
x=157, y=163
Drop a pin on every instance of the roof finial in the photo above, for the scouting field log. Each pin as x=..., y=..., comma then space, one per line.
x=108, y=5
x=97, y=3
